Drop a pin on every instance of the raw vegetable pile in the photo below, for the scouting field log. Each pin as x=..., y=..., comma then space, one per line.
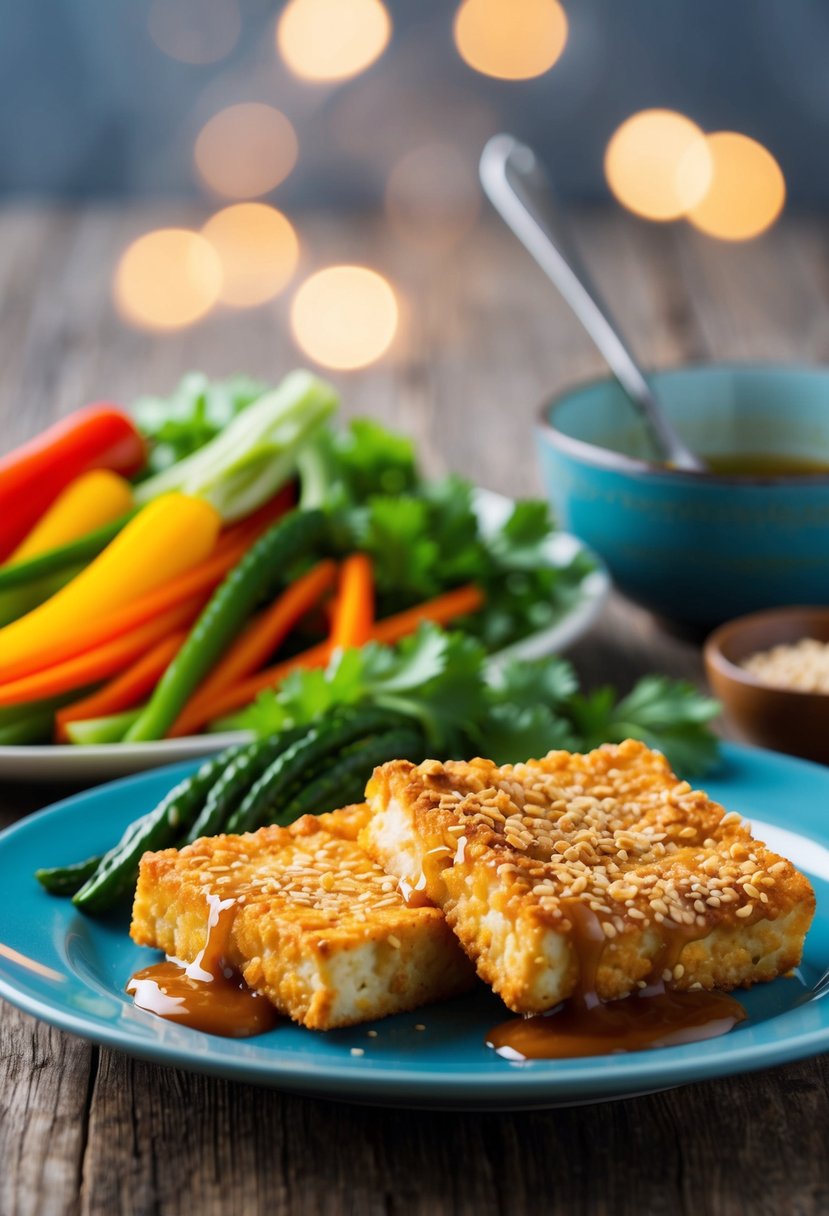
x=264, y=571
x=163, y=568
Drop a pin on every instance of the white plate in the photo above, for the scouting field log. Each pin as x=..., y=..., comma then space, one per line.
x=86, y=765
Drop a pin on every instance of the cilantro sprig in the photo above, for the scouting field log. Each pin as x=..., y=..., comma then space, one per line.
x=196, y=411
x=467, y=705
x=424, y=536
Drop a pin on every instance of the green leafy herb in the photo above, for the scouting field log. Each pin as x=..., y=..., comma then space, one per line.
x=667, y=714
x=193, y=414
x=346, y=467
x=467, y=705
x=255, y=454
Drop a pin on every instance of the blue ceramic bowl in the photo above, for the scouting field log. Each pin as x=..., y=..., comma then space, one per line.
x=698, y=548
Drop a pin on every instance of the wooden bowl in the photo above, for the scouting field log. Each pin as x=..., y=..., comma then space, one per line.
x=783, y=719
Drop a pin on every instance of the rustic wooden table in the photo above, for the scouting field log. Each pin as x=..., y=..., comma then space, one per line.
x=483, y=340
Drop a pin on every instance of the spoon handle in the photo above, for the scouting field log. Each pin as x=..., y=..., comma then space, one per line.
x=519, y=191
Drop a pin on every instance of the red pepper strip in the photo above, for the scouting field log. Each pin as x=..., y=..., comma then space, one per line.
x=32, y=476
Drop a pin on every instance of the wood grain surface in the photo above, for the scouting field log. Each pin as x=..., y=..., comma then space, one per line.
x=483, y=341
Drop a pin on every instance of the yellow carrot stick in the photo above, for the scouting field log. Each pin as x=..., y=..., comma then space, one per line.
x=91, y=500
x=168, y=537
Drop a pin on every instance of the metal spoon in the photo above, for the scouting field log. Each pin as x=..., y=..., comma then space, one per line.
x=519, y=190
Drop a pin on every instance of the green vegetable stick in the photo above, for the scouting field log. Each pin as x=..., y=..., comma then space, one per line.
x=66, y=880
x=311, y=752
x=32, y=726
x=258, y=574
x=239, y=777
x=166, y=825
x=343, y=780
x=75, y=553
x=89, y=732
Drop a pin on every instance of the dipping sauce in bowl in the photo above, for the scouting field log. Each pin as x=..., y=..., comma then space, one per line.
x=764, y=464
x=700, y=548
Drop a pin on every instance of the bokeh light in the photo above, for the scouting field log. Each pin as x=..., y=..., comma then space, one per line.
x=344, y=317
x=332, y=39
x=167, y=279
x=510, y=39
x=747, y=190
x=195, y=31
x=258, y=250
x=432, y=196
x=657, y=164
x=246, y=150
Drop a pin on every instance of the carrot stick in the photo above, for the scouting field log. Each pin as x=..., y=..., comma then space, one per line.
x=253, y=647
x=354, y=607
x=440, y=610
x=461, y=602
x=229, y=550
x=123, y=692
x=103, y=661
x=88, y=636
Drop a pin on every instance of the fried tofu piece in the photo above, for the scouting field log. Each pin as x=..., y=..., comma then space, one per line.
x=318, y=927
x=597, y=872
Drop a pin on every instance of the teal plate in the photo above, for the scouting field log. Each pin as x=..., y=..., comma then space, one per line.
x=71, y=972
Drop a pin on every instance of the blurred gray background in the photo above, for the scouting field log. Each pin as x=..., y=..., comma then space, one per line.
x=94, y=109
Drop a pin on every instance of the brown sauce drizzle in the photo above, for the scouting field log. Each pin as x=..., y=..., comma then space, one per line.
x=654, y=1016
x=206, y=994
x=414, y=895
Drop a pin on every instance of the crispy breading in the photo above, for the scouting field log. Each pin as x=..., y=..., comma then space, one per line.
x=318, y=928
x=526, y=859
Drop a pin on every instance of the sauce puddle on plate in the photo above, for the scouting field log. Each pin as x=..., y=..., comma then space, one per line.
x=653, y=1016
x=206, y=994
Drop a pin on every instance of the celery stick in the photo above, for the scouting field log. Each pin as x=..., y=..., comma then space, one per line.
x=255, y=454
x=111, y=729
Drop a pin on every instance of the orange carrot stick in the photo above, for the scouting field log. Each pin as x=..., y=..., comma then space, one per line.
x=125, y=690
x=253, y=647
x=231, y=547
x=440, y=610
x=354, y=608
x=463, y=601
x=88, y=636
x=103, y=661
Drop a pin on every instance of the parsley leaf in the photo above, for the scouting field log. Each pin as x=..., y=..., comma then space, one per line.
x=513, y=732
x=669, y=715
x=193, y=414
x=509, y=712
x=346, y=467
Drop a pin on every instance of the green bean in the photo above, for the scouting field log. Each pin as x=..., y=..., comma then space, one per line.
x=239, y=776
x=66, y=880
x=75, y=552
x=159, y=829
x=322, y=739
x=345, y=780
x=259, y=573
x=32, y=726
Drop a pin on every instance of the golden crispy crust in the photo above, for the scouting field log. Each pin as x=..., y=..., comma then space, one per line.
x=510, y=854
x=319, y=928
